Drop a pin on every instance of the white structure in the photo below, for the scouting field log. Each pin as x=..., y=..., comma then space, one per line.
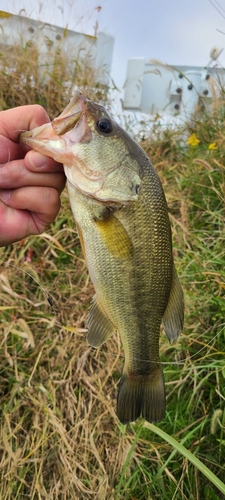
x=172, y=91
x=18, y=30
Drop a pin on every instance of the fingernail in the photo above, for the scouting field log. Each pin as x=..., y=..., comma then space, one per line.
x=5, y=194
x=37, y=160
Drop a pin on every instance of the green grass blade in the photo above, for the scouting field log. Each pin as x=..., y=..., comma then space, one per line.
x=192, y=458
x=127, y=461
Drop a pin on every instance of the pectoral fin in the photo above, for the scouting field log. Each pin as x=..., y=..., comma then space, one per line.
x=99, y=326
x=173, y=317
x=115, y=237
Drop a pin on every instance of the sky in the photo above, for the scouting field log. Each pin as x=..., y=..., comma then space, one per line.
x=171, y=31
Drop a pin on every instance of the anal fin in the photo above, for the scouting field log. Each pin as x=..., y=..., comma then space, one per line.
x=99, y=326
x=80, y=234
x=173, y=318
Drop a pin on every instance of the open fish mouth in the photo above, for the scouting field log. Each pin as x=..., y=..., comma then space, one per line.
x=61, y=138
x=52, y=138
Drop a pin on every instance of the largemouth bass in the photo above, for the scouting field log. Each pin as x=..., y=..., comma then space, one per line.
x=122, y=218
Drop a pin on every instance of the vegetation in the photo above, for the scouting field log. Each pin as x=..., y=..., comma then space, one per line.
x=24, y=79
x=59, y=436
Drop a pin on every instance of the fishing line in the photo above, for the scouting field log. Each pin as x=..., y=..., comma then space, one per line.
x=49, y=298
x=181, y=361
x=171, y=363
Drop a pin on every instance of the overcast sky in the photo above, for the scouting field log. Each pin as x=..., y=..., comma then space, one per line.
x=172, y=31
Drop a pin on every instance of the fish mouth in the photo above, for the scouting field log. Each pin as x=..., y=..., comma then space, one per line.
x=50, y=138
x=71, y=114
x=58, y=139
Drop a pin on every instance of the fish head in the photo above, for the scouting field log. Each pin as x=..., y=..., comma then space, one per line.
x=100, y=159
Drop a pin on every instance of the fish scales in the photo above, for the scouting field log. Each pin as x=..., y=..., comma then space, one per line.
x=121, y=213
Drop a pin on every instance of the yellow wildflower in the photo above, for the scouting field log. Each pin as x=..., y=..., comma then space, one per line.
x=193, y=140
x=212, y=145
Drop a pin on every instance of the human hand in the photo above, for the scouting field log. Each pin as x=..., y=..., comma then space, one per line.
x=30, y=183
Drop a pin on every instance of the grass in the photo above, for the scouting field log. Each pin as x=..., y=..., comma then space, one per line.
x=60, y=437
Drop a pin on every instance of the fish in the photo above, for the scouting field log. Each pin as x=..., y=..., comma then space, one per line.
x=121, y=214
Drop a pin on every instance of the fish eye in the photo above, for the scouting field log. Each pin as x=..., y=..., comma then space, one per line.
x=104, y=125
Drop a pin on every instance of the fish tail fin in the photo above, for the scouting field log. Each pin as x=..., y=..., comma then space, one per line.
x=141, y=395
